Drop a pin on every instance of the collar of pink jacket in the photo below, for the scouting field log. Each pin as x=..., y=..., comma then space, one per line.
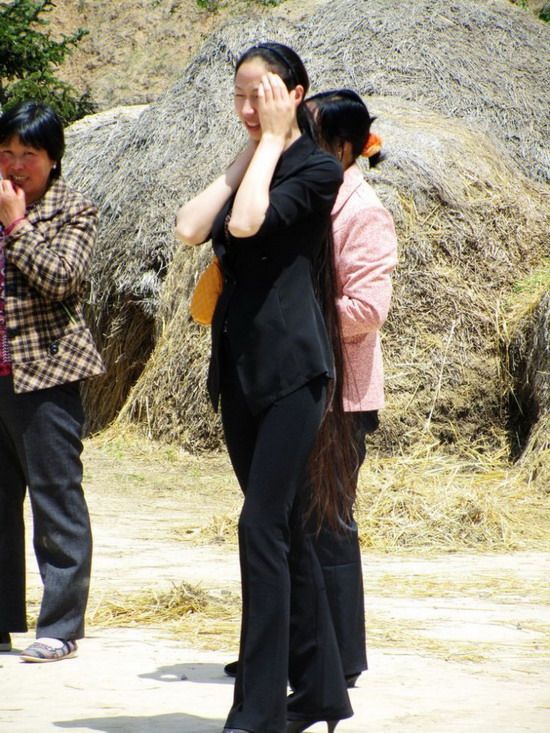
x=353, y=178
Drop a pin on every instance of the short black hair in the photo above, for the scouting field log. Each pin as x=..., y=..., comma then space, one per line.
x=36, y=124
x=341, y=116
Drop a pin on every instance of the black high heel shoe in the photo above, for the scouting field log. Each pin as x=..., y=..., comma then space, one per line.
x=298, y=726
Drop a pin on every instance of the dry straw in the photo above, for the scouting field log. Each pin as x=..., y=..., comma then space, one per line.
x=428, y=500
x=421, y=501
x=526, y=345
x=203, y=619
x=461, y=95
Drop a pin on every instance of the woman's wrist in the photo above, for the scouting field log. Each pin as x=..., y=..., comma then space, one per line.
x=273, y=139
x=9, y=228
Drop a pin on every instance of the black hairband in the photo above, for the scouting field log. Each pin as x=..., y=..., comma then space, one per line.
x=281, y=58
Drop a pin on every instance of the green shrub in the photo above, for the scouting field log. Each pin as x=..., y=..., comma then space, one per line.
x=29, y=58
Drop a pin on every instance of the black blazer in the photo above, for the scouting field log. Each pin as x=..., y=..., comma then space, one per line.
x=268, y=310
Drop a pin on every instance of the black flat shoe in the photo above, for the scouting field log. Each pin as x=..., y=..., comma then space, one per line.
x=231, y=669
x=298, y=726
x=5, y=641
x=351, y=679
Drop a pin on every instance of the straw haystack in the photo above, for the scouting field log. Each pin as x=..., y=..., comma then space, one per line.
x=117, y=325
x=486, y=63
x=463, y=177
x=464, y=220
x=528, y=351
x=90, y=139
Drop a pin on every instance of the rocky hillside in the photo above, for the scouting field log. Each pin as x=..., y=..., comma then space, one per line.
x=134, y=51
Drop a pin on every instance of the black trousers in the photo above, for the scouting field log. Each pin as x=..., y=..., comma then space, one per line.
x=340, y=557
x=40, y=448
x=287, y=630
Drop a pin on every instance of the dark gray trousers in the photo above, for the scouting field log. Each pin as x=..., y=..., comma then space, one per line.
x=40, y=448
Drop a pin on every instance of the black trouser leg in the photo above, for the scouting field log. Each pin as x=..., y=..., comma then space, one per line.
x=269, y=453
x=12, y=529
x=340, y=556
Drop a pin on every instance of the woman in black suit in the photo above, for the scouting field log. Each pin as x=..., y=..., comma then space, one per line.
x=269, y=216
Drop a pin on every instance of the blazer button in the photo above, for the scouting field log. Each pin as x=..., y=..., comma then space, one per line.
x=53, y=348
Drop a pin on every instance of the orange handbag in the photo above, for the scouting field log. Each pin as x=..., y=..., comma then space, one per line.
x=206, y=293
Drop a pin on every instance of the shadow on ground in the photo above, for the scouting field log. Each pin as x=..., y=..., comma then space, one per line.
x=170, y=723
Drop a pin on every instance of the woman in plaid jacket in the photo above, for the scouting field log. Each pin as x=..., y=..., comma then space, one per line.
x=47, y=232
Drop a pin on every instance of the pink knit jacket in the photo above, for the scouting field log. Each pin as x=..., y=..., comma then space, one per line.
x=365, y=253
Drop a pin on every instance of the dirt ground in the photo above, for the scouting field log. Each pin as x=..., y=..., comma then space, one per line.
x=457, y=642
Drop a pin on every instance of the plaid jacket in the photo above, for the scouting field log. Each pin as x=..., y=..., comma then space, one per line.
x=47, y=260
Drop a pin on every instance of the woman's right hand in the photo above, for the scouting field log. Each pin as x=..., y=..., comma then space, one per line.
x=12, y=202
x=276, y=107
x=278, y=122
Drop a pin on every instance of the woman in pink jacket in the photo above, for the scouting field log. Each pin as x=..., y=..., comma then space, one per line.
x=365, y=251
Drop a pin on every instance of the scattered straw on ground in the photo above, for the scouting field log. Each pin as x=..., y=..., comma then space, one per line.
x=206, y=621
x=221, y=529
x=498, y=587
x=424, y=499
x=422, y=503
x=430, y=500
x=418, y=637
x=202, y=619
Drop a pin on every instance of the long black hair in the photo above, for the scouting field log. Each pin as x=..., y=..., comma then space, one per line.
x=37, y=125
x=331, y=468
x=333, y=460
